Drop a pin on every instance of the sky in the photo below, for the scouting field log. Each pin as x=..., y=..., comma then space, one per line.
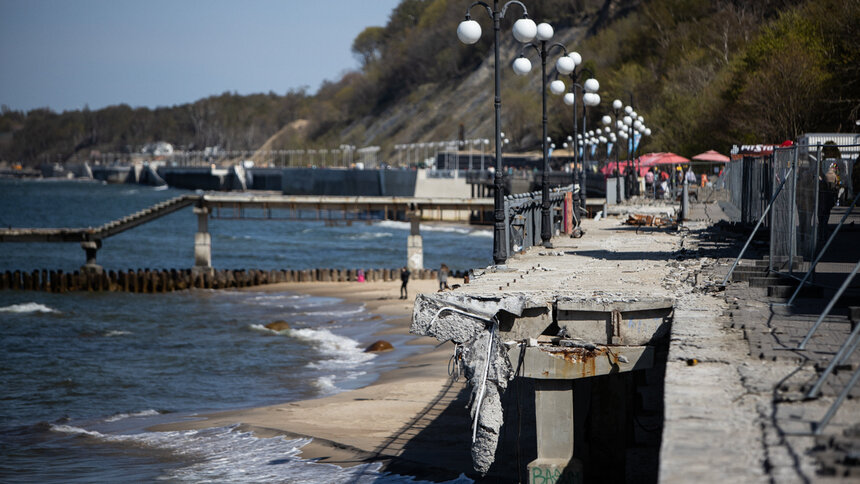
x=67, y=54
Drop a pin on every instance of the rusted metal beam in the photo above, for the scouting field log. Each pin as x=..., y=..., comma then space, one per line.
x=552, y=362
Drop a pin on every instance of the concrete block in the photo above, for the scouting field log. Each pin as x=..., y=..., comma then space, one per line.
x=531, y=324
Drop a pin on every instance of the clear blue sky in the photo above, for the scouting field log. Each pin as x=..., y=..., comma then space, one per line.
x=65, y=54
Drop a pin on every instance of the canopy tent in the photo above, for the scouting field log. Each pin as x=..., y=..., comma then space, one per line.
x=671, y=159
x=646, y=162
x=712, y=155
x=610, y=168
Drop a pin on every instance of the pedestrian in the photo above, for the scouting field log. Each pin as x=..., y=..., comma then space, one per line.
x=443, y=277
x=649, y=180
x=691, y=177
x=827, y=193
x=404, y=279
x=360, y=276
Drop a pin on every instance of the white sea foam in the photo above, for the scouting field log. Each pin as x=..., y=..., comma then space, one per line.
x=437, y=228
x=340, y=352
x=368, y=236
x=29, y=307
x=261, y=328
x=68, y=429
x=123, y=416
x=326, y=384
x=341, y=313
x=225, y=454
x=279, y=297
x=117, y=333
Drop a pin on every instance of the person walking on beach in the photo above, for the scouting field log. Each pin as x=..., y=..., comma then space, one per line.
x=404, y=279
x=443, y=278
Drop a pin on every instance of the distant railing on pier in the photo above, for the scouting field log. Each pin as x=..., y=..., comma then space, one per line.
x=368, y=157
x=523, y=217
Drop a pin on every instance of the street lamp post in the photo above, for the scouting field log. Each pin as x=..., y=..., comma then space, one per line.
x=469, y=32
x=590, y=98
x=522, y=66
x=616, y=106
x=590, y=87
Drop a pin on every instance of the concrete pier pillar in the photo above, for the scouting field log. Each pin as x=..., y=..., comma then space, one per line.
x=202, y=242
x=554, y=426
x=91, y=247
x=414, y=244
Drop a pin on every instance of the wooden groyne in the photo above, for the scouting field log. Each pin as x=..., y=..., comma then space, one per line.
x=160, y=281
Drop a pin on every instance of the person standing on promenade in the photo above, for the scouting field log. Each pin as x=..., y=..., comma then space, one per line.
x=404, y=279
x=443, y=278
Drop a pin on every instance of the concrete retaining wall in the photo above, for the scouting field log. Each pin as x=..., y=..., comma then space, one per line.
x=383, y=183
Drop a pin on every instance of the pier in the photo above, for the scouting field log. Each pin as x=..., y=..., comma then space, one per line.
x=327, y=209
x=636, y=362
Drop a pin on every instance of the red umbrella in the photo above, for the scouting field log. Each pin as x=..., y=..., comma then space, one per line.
x=712, y=155
x=671, y=159
x=610, y=167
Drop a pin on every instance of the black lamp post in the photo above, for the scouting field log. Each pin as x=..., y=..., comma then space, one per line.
x=590, y=98
x=616, y=106
x=521, y=67
x=469, y=32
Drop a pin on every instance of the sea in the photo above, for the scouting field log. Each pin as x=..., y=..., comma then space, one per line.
x=84, y=375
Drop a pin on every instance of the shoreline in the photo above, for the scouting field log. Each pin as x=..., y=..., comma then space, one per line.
x=374, y=423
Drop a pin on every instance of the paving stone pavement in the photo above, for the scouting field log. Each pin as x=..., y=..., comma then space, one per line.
x=735, y=400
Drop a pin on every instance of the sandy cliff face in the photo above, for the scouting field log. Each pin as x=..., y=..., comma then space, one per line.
x=434, y=112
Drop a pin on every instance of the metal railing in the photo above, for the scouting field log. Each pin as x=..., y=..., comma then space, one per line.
x=804, y=183
x=800, y=212
x=523, y=217
x=783, y=230
x=748, y=183
x=344, y=157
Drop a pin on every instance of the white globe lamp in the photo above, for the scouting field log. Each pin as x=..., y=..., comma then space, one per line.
x=544, y=31
x=557, y=87
x=525, y=30
x=469, y=31
x=565, y=65
x=522, y=66
x=568, y=99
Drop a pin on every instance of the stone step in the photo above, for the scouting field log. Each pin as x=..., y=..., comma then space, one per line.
x=746, y=275
x=767, y=281
x=785, y=291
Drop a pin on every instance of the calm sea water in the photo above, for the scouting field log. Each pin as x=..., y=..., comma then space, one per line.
x=84, y=374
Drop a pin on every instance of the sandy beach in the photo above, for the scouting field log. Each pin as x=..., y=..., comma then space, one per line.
x=404, y=420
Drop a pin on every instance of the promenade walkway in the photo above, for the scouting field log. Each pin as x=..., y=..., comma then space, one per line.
x=731, y=400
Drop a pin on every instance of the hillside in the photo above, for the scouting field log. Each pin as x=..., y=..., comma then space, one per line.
x=704, y=74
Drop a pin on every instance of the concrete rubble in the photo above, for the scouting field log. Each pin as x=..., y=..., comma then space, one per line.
x=469, y=326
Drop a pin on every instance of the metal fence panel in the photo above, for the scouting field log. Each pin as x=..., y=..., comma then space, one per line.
x=782, y=226
x=806, y=201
